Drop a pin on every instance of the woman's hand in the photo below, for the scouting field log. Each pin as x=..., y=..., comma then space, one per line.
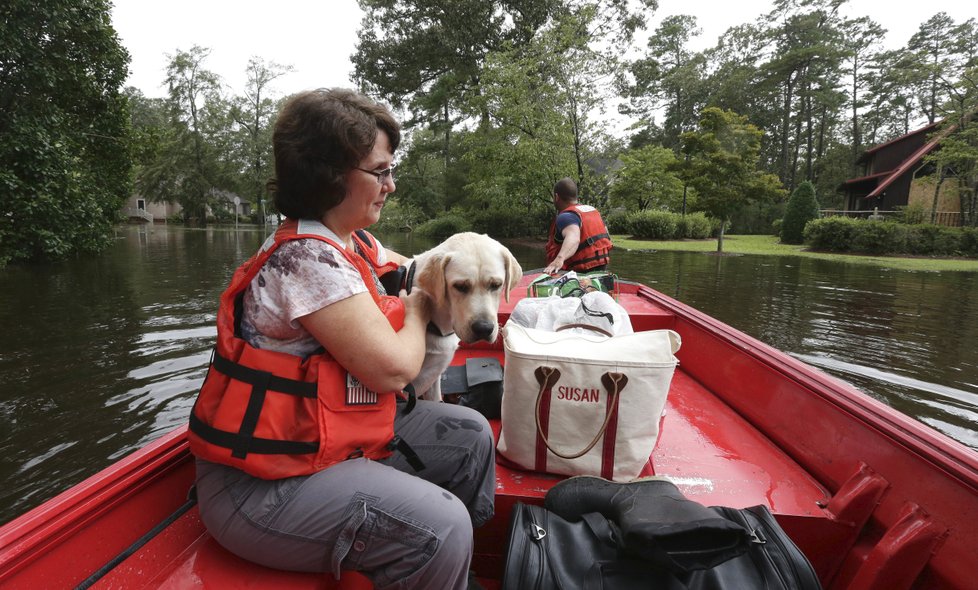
x=417, y=304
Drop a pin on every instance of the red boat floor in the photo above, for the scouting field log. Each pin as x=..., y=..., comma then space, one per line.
x=709, y=451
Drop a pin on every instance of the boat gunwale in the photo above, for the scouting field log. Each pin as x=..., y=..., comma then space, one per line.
x=931, y=445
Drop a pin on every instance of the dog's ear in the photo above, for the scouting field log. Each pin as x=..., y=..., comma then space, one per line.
x=514, y=272
x=432, y=278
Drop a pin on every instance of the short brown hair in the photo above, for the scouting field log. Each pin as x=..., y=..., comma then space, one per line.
x=566, y=189
x=319, y=136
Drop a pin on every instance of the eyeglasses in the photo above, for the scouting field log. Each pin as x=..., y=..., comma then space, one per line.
x=381, y=175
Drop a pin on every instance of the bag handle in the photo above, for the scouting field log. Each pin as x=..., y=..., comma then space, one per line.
x=597, y=329
x=613, y=382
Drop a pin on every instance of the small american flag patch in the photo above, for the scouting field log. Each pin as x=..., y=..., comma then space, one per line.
x=357, y=393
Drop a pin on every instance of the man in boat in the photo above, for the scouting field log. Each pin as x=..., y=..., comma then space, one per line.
x=578, y=239
x=306, y=461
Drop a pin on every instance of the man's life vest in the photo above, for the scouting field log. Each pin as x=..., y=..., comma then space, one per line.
x=595, y=241
x=276, y=415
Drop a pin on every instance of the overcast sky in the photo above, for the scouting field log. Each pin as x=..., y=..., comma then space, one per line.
x=318, y=37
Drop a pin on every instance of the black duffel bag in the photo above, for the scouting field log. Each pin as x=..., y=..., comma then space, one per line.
x=547, y=552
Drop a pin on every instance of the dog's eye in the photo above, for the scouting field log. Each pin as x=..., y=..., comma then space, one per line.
x=494, y=286
x=462, y=287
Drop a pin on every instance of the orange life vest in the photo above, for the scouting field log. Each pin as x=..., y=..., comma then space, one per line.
x=595, y=241
x=276, y=415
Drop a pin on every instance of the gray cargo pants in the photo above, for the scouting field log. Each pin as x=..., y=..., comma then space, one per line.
x=401, y=528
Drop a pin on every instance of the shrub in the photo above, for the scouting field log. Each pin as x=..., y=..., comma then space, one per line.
x=802, y=207
x=776, y=227
x=914, y=213
x=444, y=226
x=617, y=222
x=831, y=233
x=880, y=237
x=968, y=242
x=933, y=240
x=694, y=226
x=652, y=225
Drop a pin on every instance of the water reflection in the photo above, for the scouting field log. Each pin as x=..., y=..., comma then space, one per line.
x=100, y=356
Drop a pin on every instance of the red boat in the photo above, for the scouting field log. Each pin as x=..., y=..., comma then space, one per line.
x=873, y=498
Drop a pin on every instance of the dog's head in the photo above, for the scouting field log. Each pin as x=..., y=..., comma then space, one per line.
x=465, y=276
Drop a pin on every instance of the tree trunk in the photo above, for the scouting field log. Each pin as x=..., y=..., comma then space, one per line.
x=809, y=139
x=723, y=225
x=937, y=192
x=785, y=124
x=855, y=112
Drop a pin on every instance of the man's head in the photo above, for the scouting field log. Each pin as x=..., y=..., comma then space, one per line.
x=565, y=193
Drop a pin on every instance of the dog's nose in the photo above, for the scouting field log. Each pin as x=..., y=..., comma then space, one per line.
x=482, y=329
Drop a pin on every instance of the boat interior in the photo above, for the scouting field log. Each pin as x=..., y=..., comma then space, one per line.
x=744, y=425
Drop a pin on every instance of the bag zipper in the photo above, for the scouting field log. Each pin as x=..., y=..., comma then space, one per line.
x=791, y=553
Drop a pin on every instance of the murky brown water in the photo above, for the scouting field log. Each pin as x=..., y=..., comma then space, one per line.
x=100, y=356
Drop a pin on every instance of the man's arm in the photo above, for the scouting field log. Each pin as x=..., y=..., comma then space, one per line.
x=572, y=239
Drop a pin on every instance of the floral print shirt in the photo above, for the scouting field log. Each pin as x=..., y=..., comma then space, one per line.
x=302, y=276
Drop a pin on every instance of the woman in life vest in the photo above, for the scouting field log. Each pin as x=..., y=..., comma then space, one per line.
x=306, y=461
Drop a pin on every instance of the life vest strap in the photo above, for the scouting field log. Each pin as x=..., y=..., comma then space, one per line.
x=255, y=377
x=260, y=446
x=401, y=445
x=590, y=241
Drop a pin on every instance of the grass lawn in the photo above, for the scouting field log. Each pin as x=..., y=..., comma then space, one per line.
x=770, y=245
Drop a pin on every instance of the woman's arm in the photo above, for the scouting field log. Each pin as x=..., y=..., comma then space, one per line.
x=360, y=338
x=393, y=256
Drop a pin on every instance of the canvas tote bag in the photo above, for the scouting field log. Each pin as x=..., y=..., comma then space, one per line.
x=584, y=403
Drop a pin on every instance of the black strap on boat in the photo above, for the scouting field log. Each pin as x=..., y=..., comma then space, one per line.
x=138, y=543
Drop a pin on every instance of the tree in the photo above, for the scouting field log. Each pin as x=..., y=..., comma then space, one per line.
x=722, y=165
x=647, y=180
x=933, y=48
x=860, y=36
x=431, y=59
x=64, y=157
x=802, y=208
x=254, y=113
x=671, y=74
x=189, y=164
x=958, y=153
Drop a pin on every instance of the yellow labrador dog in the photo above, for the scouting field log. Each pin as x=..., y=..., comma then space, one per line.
x=465, y=276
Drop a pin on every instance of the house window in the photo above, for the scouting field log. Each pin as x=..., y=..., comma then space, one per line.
x=141, y=204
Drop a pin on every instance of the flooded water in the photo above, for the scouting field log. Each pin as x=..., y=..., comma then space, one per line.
x=100, y=356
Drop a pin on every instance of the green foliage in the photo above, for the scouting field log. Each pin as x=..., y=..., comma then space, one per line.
x=776, y=227
x=64, y=157
x=969, y=242
x=722, y=165
x=933, y=240
x=509, y=223
x=834, y=234
x=617, y=221
x=842, y=234
x=647, y=180
x=880, y=237
x=399, y=216
x=694, y=226
x=444, y=226
x=802, y=207
x=914, y=213
x=653, y=225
